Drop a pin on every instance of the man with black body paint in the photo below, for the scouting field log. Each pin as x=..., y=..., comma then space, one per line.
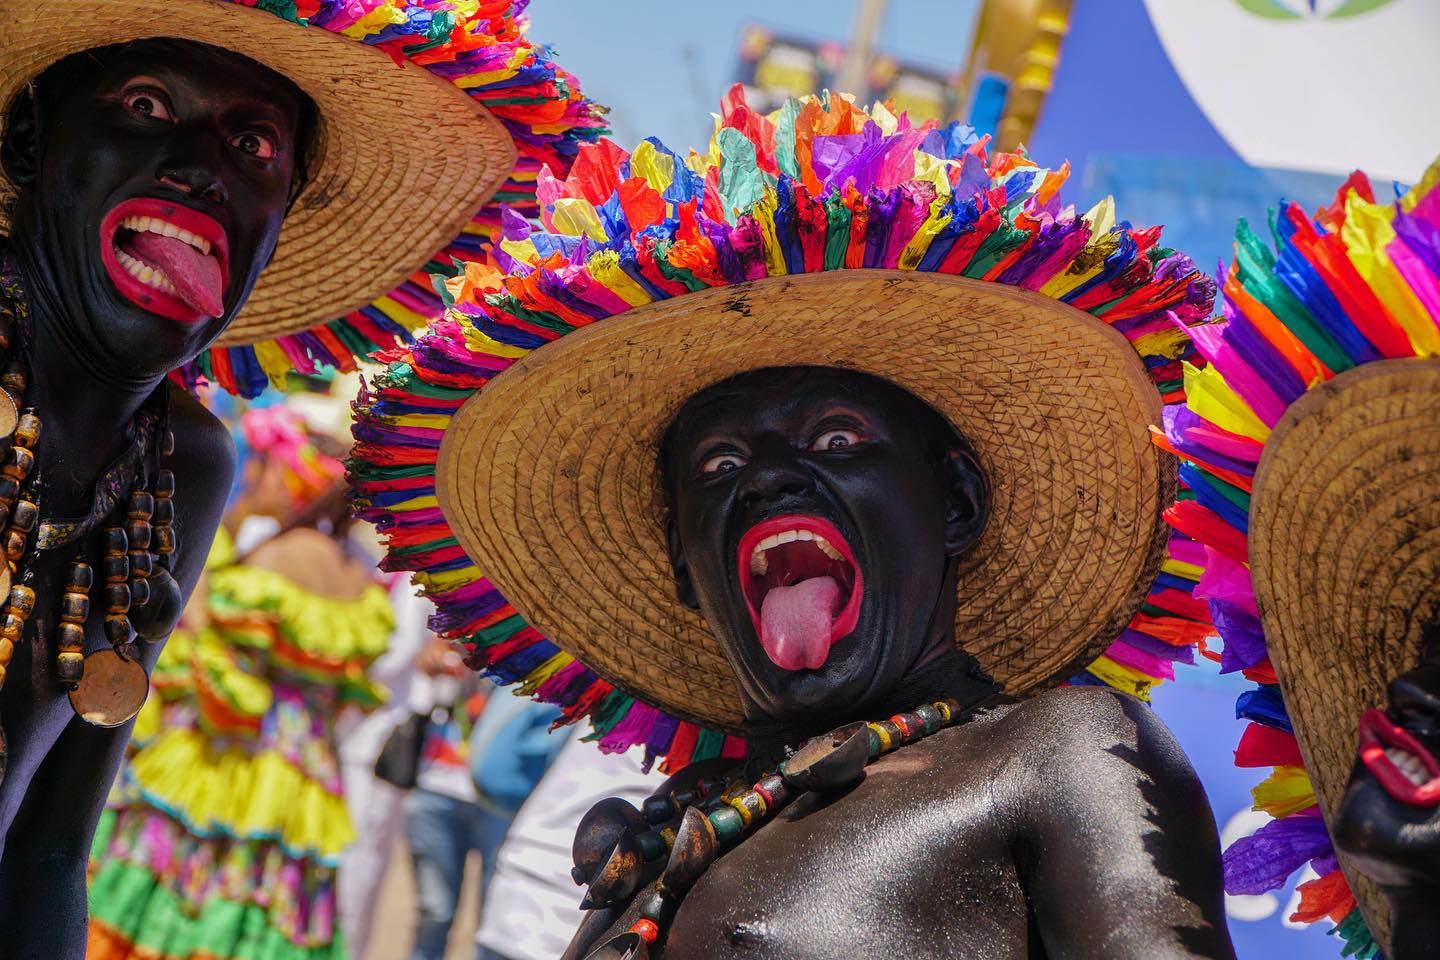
x=1067, y=825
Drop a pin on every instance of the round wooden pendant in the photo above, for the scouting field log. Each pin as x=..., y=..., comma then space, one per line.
x=9, y=415
x=111, y=691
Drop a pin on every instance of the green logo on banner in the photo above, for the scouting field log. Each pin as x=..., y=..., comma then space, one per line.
x=1310, y=9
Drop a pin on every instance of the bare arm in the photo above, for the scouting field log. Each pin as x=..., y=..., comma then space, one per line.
x=1116, y=844
x=42, y=873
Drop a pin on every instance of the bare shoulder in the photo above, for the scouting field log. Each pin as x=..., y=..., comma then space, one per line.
x=204, y=449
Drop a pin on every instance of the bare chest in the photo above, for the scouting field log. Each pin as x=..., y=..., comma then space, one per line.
x=913, y=862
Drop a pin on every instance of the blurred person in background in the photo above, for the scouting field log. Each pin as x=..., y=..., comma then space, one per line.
x=531, y=906
x=232, y=819
x=483, y=752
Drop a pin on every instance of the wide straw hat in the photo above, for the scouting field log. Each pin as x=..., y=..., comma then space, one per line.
x=1313, y=481
x=405, y=155
x=551, y=469
x=1345, y=549
x=874, y=245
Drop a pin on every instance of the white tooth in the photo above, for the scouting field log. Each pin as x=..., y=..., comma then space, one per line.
x=204, y=245
x=771, y=541
x=759, y=563
x=141, y=224
x=788, y=536
x=827, y=549
x=186, y=236
x=169, y=230
x=128, y=223
x=804, y=535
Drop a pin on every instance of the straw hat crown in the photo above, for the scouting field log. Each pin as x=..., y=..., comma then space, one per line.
x=428, y=110
x=821, y=234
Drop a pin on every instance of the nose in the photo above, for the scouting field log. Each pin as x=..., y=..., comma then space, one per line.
x=192, y=165
x=1415, y=697
x=774, y=473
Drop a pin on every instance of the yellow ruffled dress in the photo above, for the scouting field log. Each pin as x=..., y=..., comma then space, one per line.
x=230, y=817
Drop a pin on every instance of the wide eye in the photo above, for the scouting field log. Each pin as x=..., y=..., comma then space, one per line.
x=722, y=463
x=835, y=440
x=148, y=103
x=255, y=144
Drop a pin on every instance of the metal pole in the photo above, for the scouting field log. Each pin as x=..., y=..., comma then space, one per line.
x=868, y=17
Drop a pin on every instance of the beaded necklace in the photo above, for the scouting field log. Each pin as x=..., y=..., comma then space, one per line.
x=137, y=537
x=615, y=842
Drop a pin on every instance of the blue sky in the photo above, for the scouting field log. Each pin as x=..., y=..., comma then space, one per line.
x=662, y=67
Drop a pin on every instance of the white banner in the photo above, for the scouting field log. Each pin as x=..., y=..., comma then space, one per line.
x=1320, y=85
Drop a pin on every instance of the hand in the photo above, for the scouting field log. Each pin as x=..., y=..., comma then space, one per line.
x=440, y=658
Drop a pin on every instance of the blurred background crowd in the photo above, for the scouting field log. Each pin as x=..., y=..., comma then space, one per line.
x=311, y=674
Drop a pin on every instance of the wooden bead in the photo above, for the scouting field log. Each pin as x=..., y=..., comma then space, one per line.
x=652, y=845
x=81, y=577
x=646, y=930
x=22, y=600
x=115, y=541
x=18, y=462
x=13, y=627
x=117, y=597
x=139, y=593
x=164, y=512
x=15, y=379
x=70, y=665
x=727, y=823
x=659, y=808
x=70, y=636
x=141, y=564
x=27, y=433
x=117, y=629
x=74, y=607
x=929, y=716
x=24, y=515
x=164, y=543
x=165, y=484
x=138, y=532
x=776, y=791
x=116, y=569
x=141, y=505
x=9, y=490
x=167, y=443
x=7, y=650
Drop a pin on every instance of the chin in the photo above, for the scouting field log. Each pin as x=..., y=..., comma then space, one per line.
x=836, y=691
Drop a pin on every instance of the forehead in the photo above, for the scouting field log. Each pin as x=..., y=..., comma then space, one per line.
x=778, y=396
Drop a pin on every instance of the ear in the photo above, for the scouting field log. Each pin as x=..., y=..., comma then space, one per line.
x=684, y=588
x=967, y=500
x=20, y=150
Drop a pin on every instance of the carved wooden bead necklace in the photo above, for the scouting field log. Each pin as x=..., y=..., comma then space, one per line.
x=615, y=844
x=133, y=526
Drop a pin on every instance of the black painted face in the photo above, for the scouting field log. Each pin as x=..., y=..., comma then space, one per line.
x=1390, y=815
x=814, y=512
x=154, y=178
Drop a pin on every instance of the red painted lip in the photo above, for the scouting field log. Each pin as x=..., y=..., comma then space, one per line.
x=849, y=614
x=143, y=295
x=1377, y=733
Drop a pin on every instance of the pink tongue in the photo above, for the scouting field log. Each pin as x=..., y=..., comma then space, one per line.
x=196, y=276
x=795, y=623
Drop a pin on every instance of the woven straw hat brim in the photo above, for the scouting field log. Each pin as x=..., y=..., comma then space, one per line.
x=403, y=160
x=1345, y=552
x=548, y=476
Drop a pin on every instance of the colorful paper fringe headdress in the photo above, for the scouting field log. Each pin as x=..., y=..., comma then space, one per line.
x=1336, y=316
x=429, y=109
x=820, y=235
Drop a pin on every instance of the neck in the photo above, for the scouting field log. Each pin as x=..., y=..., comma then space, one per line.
x=78, y=395
x=950, y=674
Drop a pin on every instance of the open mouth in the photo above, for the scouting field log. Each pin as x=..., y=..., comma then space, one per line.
x=1401, y=764
x=166, y=258
x=802, y=586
